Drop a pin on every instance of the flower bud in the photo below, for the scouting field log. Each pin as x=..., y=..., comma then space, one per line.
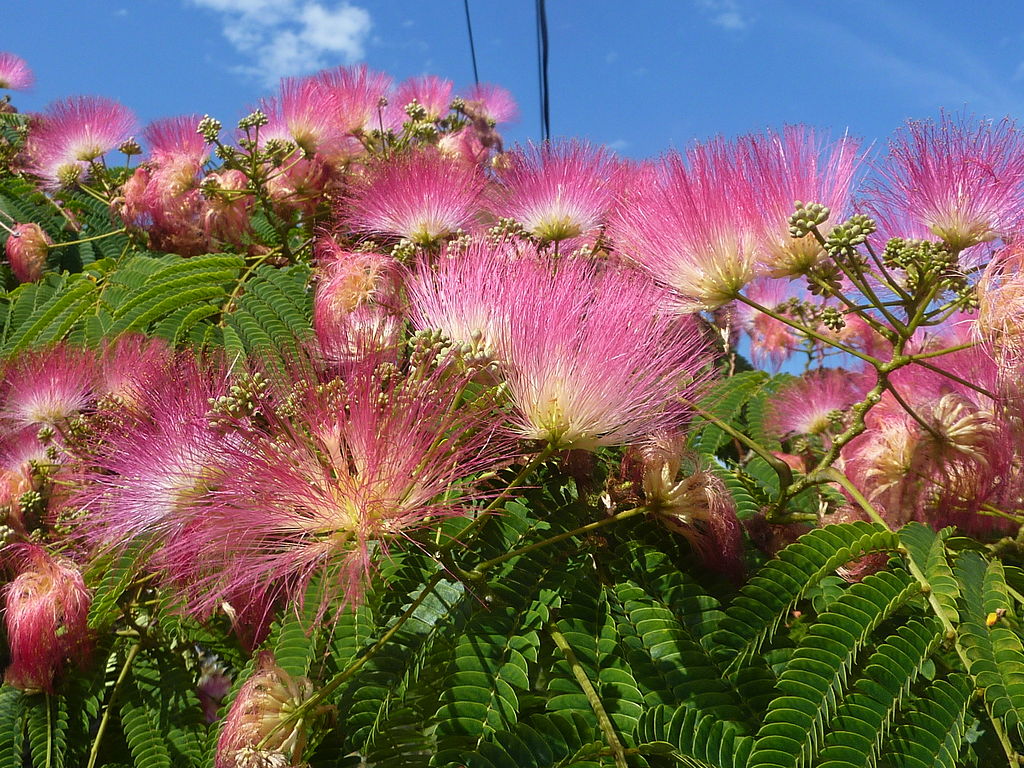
x=46, y=610
x=253, y=733
x=26, y=250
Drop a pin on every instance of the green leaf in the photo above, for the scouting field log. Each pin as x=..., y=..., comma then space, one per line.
x=933, y=731
x=816, y=676
x=694, y=738
x=12, y=718
x=928, y=551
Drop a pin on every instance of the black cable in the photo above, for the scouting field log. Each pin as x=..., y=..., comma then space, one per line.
x=542, y=69
x=472, y=48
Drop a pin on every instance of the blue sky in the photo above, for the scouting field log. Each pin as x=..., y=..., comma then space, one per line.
x=641, y=76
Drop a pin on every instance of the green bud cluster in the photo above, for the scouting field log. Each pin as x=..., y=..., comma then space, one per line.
x=255, y=119
x=924, y=262
x=806, y=218
x=505, y=228
x=404, y=249
x=844, y=238
x=209, y=128
x=277, y=150
x=415, y=110
x=241, y=400
x=833, y=319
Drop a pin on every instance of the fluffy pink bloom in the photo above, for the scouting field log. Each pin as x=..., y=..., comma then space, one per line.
x=74, y=132
x=176, y=138
x=360, y=95
x=421, y=196
x=26, y=251
x=468, y=294
x=1000, y=321
x=491, y=103
x=804, y=406
x=432, y=93
x=14, y=73
x=131, y=363
x=796, y=164
x=305, y=112
x=46, y=608
x=556, y=191
x=253, y=734
x=45, y=386
x=226, y=216
x=300, y=185
x=594, y=358
x=345, y=470
x=692, y=225
x=148, y=469
x=961, y=178
x=357, y=308
x=465, y=145
x=771, y=341
x=18, y=451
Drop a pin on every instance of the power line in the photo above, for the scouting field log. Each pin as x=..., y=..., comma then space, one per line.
x=472, y=48
x=542, y=69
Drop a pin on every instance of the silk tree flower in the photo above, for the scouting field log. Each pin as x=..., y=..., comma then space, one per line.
x=44, y=387
x=26, y=250
x=688, y=499
x=433, y=94
x=177, y=155
x=1000, y=320
x=357, y=307
x=556, y=191
x=46, y=607
x=130, y=364
x=146, y=470
x=18, y=452
x=491, y=103
x=304, y=112
x=421, y=196
x=771, y=340
x=227, y=209
x=345, y=469
x=692, y=225
x=361, y=95
x=808, y=405
x=14, y=73
x=960, y=177
x=254, y=733
x=796, y=164
x=597, y=358
x=74, y=132
x=468, y=293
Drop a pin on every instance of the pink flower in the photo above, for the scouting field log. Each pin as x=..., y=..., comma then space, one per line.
x=18, y=452
x=469, y=292
x=74, y=132
x=771, y=341
x=556, y=191
x=491, y=103
x=226, y=216
x=304, y=112
x=595, y=359
x=692, y=225
x=45, y=386
x=14, y=73
x=345, y=469
x=432, y=93
x=357, y=307
x=46, y=608
x=129, y=365
x=176, y=138
x=798, y=164
x=148, y=469
x=805, y=406
x=254, y=733
x=361, y=95
x=1000, y=321
x=962, y=178
x=420, y=196
x=26, y=251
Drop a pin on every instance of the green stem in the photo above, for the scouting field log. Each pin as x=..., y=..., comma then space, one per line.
x=808, y=331
x=120, y=231
x=781, y=468
x=49, y=730
x=605, y=722
x=583, y=529
x=95, y=751
x=940, y=352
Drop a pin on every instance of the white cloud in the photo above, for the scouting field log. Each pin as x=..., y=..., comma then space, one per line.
x=282, y=38
x=726, y=14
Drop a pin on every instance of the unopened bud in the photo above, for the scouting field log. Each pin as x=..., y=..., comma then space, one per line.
x=26, y=251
